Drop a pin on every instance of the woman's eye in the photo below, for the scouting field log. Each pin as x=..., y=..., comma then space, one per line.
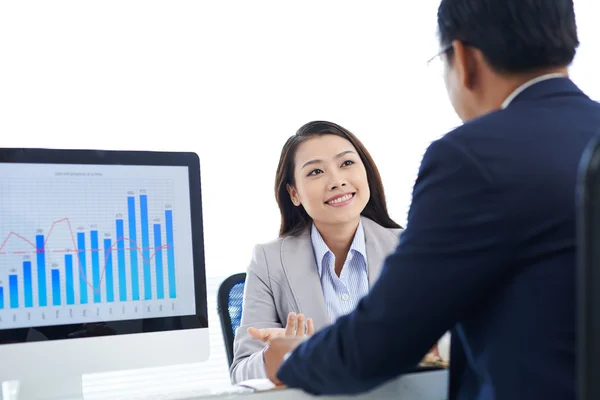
x=315, y=172
x=347, y=163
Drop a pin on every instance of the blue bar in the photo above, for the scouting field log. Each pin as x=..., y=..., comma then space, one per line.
x=28, y=292
x=170, y=254
x=133, y=245
x=41, y=270
x=146, y=247
x=95, y=267
x=121, y=257
x=83, y=293
x=14, y=291
x=110, y=293
x=70, y=289
x=1, y=297
x=160, y=280
x=55, y=287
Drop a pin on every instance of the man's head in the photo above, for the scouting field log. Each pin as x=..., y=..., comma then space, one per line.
x=491, y=47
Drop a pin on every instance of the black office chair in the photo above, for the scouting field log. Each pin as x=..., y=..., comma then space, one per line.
x=229, y=307
x=588, y=271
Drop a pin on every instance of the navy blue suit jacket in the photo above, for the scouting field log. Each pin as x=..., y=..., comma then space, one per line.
x=488, y=252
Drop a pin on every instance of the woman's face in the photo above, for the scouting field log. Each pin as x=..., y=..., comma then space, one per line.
x=330, y=180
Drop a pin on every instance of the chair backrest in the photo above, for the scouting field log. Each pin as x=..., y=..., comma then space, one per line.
x=588, y=274
x=229, y=307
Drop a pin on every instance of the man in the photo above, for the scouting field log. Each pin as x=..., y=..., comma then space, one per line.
x=489, y=249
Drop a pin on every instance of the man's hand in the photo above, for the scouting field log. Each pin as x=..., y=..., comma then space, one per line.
x=297, y=325
x=433, y=357
x=273, y=355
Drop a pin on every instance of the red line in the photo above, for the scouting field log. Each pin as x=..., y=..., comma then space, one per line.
x=112, y=248
x=72, y=251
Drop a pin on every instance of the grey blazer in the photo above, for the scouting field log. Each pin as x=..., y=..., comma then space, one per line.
x=282, y=278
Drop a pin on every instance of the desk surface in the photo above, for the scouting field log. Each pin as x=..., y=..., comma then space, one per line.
x=430, y=385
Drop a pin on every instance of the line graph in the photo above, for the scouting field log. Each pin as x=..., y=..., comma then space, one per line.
x=84, y=249
x=67, y=222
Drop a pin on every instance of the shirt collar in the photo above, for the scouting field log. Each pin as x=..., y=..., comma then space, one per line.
x=528, y=84
x=321, y=249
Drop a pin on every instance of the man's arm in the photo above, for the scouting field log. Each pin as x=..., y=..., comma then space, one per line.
x=450, y=257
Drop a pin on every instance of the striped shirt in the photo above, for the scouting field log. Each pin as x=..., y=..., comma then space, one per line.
x=342, y=293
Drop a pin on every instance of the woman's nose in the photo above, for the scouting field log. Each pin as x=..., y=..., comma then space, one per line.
x=337, y=179
x=337, y=184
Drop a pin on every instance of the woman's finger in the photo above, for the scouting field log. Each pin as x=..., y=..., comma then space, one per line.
x=300, y=326
x=290, y=328
x=310, y=326
x=257, y=334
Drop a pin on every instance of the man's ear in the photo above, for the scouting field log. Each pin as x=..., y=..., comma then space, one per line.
x=465, y=64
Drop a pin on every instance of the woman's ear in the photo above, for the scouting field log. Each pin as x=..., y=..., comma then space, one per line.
x=293, y=194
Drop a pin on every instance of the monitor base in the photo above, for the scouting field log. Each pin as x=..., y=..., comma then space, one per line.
x=44, y=388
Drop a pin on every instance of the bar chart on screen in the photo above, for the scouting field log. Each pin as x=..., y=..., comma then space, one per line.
x=87, y=251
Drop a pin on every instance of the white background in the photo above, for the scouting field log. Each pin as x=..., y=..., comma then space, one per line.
x=231, y=80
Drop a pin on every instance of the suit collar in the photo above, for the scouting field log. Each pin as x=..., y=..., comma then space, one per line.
x=378, y=242
x=547, y=87
x=528, y=84
x=299, y=265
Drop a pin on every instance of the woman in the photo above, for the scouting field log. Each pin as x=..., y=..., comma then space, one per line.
x=335, y=233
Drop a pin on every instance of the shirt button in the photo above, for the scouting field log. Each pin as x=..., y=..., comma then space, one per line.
x=345, y=297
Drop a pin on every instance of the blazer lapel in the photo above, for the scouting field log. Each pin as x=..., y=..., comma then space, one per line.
x=299, y=265
x=378, y=241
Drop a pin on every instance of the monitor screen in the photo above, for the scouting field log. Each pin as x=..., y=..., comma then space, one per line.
x=94, y=243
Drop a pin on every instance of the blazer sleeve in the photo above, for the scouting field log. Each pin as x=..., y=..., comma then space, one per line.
x=451, y=255
x=258, y=311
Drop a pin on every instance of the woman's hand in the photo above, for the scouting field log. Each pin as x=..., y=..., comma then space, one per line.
x=297, y=326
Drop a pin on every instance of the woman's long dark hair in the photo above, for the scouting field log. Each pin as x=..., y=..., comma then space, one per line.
x=295, y=220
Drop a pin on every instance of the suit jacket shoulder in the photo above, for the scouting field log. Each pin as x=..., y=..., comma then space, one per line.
x=383, y=239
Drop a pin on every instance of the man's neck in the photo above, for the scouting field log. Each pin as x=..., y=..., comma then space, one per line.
x=504, y=86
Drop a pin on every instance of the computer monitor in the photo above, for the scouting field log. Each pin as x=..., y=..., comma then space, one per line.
x=101, y=265
x=588, y=280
